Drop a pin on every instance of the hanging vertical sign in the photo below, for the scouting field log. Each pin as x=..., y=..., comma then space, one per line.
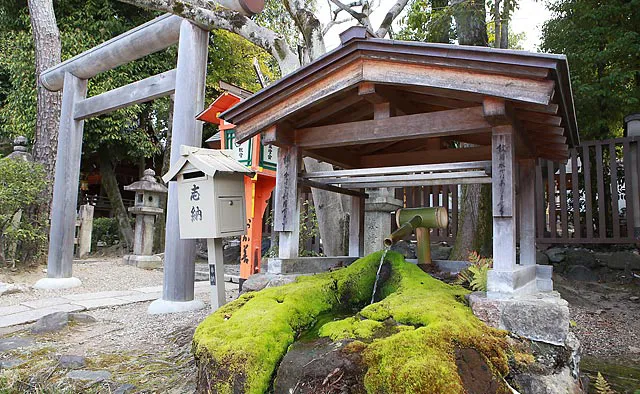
x=241, y=152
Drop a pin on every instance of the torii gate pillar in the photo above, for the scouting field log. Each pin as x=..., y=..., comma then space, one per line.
x=179, y=254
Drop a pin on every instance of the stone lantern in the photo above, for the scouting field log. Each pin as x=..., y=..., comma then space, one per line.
x=20, y=149
x=146, y=208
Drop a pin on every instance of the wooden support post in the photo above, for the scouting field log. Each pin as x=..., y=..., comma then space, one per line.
x=216, y=272
x=65, y=187
x=179, y=270
x=526, y=198
x=356, y=227
x=85, y=230
x=287, y=204
x=503, y=194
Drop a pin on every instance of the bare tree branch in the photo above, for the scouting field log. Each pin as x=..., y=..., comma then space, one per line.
x=309, y=26
x=392, y=14
x=361, y=17
x=210, y=15
x=333, y=23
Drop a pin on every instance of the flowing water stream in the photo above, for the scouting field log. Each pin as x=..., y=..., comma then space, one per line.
x=375, y=284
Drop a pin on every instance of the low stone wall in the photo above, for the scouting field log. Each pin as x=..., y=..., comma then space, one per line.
x=589, y=265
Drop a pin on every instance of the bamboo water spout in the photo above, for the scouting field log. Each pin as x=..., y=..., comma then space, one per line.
x=420, y=220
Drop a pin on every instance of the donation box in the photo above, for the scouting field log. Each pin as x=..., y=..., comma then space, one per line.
x=211, y=201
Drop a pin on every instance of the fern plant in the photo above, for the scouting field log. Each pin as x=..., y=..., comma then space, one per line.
x=602, y=386
x=476, y=274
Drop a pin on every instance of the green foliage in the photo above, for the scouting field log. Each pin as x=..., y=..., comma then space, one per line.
x=476, y=275
x=602, y=42
x=130, y=133
x=105, y=231
x=602, y=386
x=428, y=21
x=22, y=237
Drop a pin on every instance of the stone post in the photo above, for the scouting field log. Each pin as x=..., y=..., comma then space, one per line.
x=85, y=230
x=65, y=189
x=632, y=129
x=146, y=208
x=179, y=254
x=377, y=217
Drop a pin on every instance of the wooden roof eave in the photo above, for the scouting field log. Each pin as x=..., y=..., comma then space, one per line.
x=478, y=54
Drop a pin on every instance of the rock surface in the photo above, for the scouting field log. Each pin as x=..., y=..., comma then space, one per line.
x=320, y=366
x=260, y=281
x=59, y=320
x=11, y=288
x=13, y=343
x=88, y=375
x=581, y=273
x=556, y=255
x=540, y=317
x=11, y=363
x=72, y=362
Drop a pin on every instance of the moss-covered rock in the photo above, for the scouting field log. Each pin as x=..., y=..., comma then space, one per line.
x=408, y=340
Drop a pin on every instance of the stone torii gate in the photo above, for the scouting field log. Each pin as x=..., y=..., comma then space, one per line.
x=186, y=82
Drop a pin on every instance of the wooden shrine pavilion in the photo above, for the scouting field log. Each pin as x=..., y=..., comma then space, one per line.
x=393, y=113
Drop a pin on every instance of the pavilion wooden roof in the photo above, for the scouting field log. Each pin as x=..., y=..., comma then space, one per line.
x=438, y=96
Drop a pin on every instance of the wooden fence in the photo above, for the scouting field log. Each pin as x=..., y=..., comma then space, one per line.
x=588, y=199
x=582, y=201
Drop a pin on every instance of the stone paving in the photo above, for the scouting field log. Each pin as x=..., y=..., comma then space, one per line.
x=30, y=311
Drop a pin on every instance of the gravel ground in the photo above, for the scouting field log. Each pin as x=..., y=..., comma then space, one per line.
x=103, y=274
x=605, y=318
x=151, y=351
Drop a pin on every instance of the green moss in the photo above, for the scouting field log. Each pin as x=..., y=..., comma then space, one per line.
x=351, y=328
x=408, y=339
x=243, y=342
x=420, y=359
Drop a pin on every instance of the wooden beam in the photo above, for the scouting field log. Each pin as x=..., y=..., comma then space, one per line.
x=432, y=124
x=462, y=166
x=134, y=93
x=338, y=158
x=329, y=110
x=536, y=117
x=476, y=139
x=427, y=157
x=495, y=111
x=503, y=199
x=508, y=87
x=422, y=182
x=367, y=90
x=343, y=76
x=279, y=135
x=346, y=181
x=536, y=128
x=331, y=188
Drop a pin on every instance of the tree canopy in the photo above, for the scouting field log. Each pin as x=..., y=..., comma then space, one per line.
x=602, y=42
x=133, y=132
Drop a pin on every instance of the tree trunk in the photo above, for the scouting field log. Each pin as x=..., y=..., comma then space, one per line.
x=161, y=220
x=475, y=225
x=110, y=185
x=46, y=37
x=332, y=221
x=497, y=16
x=470, y=22
x=504, y=35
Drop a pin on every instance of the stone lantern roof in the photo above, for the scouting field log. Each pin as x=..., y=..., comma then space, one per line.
x=147, y=183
